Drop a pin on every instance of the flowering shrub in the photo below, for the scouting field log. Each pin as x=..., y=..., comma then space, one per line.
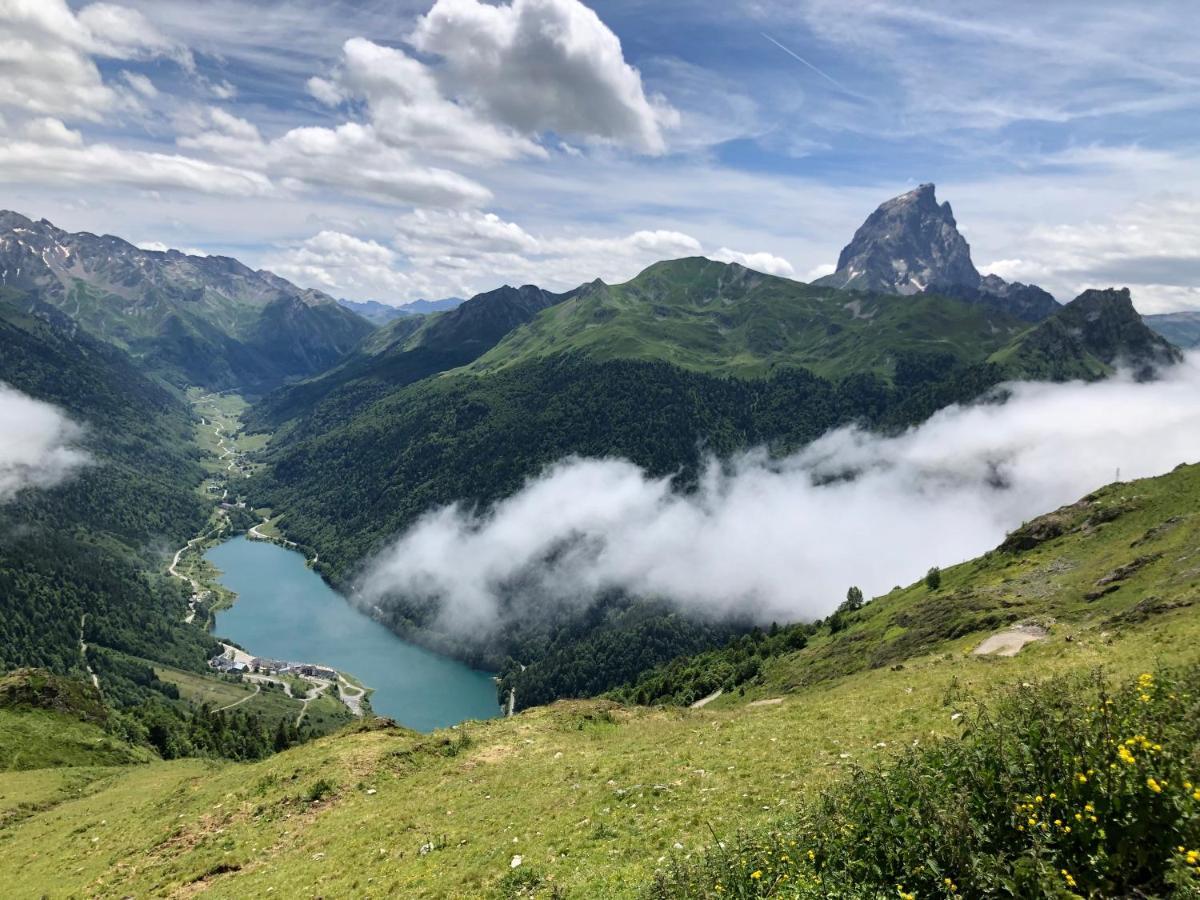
x=1071, y=788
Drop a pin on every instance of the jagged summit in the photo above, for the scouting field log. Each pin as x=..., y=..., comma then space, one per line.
x=911, y=245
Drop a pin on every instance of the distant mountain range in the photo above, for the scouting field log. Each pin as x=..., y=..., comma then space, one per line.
x=382, y=313
x=911, y=245
x=207, y=321
x=1182, y=328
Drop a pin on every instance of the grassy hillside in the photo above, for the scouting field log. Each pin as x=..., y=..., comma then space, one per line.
x=405, y=351
x=590, y=798
x=721, y=318
x=47, y=722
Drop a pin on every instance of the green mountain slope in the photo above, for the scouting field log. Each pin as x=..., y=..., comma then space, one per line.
x=195, y=320
x=409, y=349
x=73, y=558
x=47, y=722
x=690, y=358
x=1088, y=338
x=590, y=798
x=721, y=318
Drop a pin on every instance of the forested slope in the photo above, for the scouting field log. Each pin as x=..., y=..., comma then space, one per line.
x=77, y=555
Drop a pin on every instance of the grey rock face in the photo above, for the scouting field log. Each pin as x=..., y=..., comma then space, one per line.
x=911, y=245
x=908, y=245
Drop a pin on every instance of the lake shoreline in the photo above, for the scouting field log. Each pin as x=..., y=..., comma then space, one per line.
x=286, y=610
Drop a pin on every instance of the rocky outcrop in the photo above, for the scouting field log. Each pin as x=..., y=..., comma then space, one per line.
x=911, y=245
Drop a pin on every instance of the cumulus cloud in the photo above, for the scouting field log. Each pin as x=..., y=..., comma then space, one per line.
x=140, y=84
x=543, y=66
x=351, y=157
x=782, y=539
x=345, y=265
x=46, y=55
x=38, y=444
x=160, y=247
x=408, y=109
x=760, y=262
x=499, y=78
x=438, y=253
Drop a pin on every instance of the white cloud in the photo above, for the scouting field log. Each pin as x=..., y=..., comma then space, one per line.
x=60, y=157
x=819, y=271
x=783, y=539
x=408, y=110
x=53, y=132
x=350, y=157
x=39, y=445
x=124, y=33
x=344, y=265
x=46, y=55
x=1146, y=240
x=543, y=66
x=160, y=247
x=441, y=253
x=140, y=84
x=222, y=90
x=472, y=251
x=760, y=262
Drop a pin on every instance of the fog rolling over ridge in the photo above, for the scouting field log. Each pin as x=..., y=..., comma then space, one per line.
x=38, y=444
x=784, y=538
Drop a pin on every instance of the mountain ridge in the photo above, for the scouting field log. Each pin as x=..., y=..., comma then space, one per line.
x=381, y=313
x=205, y=320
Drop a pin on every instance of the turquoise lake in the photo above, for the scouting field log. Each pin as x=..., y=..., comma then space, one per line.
x=285, y=611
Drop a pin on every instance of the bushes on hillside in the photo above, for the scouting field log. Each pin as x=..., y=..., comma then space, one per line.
x=1067, y=789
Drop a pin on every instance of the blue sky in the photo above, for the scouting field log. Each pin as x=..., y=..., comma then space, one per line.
x=396, y=150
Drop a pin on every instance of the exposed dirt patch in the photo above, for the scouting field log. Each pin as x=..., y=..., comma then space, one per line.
x=774, y=701
x=704, y=701
x=1010, y=641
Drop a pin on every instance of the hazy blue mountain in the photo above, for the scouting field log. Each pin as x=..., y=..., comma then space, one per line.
x=382, y=313
x=1182, y=328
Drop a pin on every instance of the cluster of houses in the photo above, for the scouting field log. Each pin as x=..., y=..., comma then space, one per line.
x=225, y=665
x=272, y=667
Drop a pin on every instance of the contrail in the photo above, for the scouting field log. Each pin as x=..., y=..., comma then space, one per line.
x=796, y=56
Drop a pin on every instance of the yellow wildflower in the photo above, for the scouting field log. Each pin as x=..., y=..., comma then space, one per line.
x=1154, y=785
x=756, y=874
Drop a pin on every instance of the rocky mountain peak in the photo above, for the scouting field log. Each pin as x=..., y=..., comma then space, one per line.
x=1103, y=325
x=910, y=244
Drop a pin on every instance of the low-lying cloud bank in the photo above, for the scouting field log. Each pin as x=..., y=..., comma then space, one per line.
x=783, y=539
x=38, y=444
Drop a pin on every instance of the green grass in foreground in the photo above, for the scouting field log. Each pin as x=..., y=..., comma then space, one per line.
x=1071, y=788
